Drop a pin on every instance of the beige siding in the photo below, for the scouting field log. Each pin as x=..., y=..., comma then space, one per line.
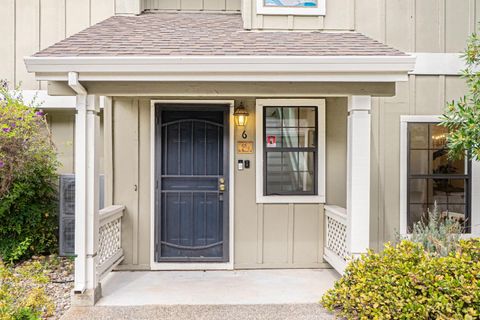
x=62, y=126
x=422, y=95
x=193, y=5
x=409, y=25
x=418, y=25
x=30, y=25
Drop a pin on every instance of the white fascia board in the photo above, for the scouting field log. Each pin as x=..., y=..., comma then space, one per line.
x=225, y=68
x=45, y=101
x=429, y=63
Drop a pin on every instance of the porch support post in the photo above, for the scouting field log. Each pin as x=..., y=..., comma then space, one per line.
x=87, y=128
x=358, y=174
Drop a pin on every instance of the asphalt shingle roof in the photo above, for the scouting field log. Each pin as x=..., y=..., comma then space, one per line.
x=178, y=34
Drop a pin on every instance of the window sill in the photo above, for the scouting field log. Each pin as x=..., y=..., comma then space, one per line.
x=290, y=199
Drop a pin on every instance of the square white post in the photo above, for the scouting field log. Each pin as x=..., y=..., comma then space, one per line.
x=87, y=129
x=358, y=174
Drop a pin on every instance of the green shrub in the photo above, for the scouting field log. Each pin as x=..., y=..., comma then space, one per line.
x=22, y=293
x=28, y=191
x=438, y=234
x=407, y=282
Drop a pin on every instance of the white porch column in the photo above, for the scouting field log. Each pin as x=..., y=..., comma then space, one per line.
x=358, y=174
x=87, y=129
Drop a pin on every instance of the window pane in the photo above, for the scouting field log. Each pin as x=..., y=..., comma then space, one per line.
x=307, y=138
x=438, y=136
x=457, y=212
x=291, y=3
x=274, y=172
x=418, y=161
x=416, y=213
x=305, y=161
x=456, y=191
x=437, y=190
x=290, y=117
x=290, y=161
x=290, y=138
x=418, y=191
x=306, y=117
x=273, y=137
x=442, y=165
x=418, y=133
x=305, y=181
x=273, y=117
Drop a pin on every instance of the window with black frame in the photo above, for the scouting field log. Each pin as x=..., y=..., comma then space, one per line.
x=433, y=177
x=290, y=150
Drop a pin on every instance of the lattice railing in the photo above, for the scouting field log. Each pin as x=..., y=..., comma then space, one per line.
x=336, y=248
x=110, y=252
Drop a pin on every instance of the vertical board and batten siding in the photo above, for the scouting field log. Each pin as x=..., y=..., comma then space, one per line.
x=62, y=126
x=412, y=26
x=193, y=5
x=28, y=26
x=422, y=95
x=266, y=235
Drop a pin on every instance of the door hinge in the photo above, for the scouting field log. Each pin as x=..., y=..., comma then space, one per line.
x=156, y=184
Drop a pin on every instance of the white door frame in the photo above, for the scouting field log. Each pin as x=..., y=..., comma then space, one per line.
x=193, y=265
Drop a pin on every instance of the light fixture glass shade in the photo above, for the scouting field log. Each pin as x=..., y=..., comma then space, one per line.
x=241, y=116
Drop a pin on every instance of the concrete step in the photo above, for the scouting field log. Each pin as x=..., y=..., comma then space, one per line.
x=202, y=312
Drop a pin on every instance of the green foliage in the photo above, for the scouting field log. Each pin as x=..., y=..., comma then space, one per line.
x=22, y=292
x=439, y=235
x=28, y=191
x=407, y=282
x=462, y=117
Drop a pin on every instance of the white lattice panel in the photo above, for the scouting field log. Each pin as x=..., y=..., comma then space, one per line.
x=109, y=241
x=337, y=237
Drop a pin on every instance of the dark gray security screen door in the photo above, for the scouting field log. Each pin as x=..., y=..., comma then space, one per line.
x=191, y=184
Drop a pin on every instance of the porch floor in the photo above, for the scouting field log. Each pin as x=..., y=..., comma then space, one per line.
x=239, y=287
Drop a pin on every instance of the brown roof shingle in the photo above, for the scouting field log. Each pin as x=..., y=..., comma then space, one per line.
x=178, y=34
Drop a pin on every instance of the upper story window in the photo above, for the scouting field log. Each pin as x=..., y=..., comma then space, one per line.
x=290, y=153
x=291, y=7
x=433, y=177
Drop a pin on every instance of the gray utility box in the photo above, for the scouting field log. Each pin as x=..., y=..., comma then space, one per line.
x=67, y=212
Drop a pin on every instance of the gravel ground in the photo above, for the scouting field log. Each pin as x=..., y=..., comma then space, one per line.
x=60, y=272
x=203, y=312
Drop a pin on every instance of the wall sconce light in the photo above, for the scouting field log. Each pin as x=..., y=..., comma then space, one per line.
x=241, y=117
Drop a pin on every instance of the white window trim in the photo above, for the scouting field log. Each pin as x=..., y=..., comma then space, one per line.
x=475, y=176
x=320, y=197
x=309, y=11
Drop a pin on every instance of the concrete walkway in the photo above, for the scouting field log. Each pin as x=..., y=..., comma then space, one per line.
x=240, y=294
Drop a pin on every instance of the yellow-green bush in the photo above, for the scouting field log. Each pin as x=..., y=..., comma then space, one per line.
x=22, y=292
x=406, y=282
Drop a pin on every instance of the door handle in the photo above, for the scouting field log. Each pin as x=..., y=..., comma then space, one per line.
x=221, y=184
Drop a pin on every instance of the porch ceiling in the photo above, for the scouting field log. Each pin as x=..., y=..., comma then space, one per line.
x=215, y=47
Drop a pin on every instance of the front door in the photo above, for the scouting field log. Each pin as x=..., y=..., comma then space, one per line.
x=191, y=172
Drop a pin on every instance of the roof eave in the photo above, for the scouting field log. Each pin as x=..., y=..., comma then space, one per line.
x=225, y=68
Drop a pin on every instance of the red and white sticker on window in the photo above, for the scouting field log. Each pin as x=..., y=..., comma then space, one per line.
x=271, y=141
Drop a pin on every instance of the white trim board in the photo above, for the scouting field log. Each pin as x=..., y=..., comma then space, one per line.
x=475, y=197
x=48, y=102
x=188, y=265
x=319, y=10
x=429, y=63
x=260, y=197
x=225, y=68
